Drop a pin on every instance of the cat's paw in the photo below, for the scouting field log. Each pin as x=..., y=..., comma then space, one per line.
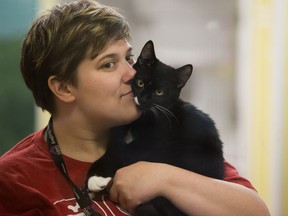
x=98, y=183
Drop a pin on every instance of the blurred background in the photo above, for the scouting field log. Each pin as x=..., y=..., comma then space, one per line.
x=238, y=49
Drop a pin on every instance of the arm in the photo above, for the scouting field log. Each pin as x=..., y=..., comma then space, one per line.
x=194, y=194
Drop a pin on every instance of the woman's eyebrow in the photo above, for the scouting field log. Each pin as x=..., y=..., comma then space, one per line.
x=130, y=49
x=114, y=55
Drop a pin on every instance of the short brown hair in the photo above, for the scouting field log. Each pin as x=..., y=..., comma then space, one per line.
x=59, y=40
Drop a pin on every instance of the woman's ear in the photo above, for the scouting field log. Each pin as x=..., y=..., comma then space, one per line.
x=61, y=90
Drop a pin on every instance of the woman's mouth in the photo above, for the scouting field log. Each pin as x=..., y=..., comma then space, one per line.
x=128, y=94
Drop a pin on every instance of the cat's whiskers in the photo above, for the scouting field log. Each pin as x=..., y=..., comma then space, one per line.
x=154, y=111
x=166, y=111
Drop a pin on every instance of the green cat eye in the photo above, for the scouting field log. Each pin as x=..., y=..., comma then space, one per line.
x=140, y=83
x=159, y=92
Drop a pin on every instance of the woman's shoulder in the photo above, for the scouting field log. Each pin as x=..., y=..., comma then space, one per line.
x=28, y=151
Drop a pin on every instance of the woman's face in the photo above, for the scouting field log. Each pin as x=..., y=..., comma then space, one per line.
x=103, y=94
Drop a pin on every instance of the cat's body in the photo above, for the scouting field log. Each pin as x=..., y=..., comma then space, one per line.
x=169, y=131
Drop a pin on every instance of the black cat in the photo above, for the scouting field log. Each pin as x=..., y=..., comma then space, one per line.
x=169, y=131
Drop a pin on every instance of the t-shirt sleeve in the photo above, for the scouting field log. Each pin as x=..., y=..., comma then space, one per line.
x=232, y=175
x=19, y=199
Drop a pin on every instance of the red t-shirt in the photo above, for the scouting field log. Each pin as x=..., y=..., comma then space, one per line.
x=31, y=184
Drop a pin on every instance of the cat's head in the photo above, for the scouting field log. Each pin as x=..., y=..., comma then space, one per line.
x=156, y=83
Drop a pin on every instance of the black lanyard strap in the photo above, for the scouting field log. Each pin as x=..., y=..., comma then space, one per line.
x=81, y=195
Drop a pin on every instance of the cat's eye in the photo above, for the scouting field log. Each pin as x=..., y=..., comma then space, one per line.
x=140, y=83
x=159, y=92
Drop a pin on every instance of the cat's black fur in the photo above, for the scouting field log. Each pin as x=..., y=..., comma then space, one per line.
x=169, y=131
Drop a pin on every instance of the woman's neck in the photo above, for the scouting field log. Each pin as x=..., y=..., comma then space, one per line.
x=80, y=143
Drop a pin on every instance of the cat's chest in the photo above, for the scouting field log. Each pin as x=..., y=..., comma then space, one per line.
x=148, y=146
x=159, y=129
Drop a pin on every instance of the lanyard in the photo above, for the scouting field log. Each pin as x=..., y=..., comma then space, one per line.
x=81, y=195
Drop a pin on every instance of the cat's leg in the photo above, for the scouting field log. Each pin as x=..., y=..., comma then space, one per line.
x=98, y=183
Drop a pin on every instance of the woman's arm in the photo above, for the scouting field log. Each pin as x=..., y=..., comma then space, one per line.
x=194, y=194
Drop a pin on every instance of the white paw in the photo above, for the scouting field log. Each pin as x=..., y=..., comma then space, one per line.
x=98, y=183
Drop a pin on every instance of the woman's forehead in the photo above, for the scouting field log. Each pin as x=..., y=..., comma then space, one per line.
x=114, y=47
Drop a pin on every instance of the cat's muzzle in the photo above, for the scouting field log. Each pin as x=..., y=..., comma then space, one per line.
x=136, y=101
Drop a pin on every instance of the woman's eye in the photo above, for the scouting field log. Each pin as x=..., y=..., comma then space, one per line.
x=159, y=92
x=130, y=59
x=140, y=83
x=108, y=65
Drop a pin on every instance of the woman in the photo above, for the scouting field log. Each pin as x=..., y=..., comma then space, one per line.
x=77, y=61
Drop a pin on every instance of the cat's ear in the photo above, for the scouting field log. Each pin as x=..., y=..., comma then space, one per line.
x=148, y=54
x=183, y=75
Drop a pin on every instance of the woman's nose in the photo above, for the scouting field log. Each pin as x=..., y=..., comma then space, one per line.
x=129, y=73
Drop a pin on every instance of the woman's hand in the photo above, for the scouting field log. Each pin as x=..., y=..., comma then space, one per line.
x=137, y=184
